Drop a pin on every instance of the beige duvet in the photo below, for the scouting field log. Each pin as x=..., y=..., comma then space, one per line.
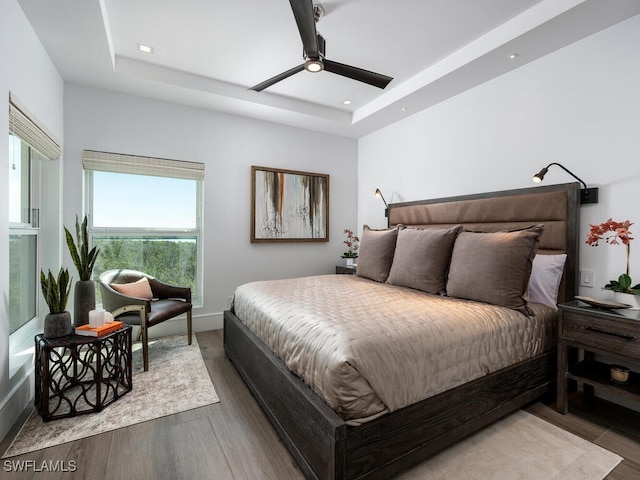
x=369, y=348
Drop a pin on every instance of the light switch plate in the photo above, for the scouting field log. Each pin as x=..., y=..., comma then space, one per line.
x=587, y=278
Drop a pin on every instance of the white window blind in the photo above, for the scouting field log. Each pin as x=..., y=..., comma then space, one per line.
x=26, y=126
x=159, y=167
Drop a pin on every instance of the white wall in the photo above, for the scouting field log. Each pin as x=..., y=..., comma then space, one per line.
x=228, y=145
x=579, y=106
x=27, y=71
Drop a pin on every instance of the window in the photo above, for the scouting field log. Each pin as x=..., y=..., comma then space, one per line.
x=25, y=133
x=19, y=181
x=23, y=271
x=23, y=239
x=30, y=148
x=145, y=214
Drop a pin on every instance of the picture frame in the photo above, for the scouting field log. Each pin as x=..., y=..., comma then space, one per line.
x=289, y=206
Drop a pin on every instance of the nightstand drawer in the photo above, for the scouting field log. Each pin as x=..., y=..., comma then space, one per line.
x=600, y=333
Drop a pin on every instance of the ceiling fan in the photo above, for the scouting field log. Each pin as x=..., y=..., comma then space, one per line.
x=313, y=44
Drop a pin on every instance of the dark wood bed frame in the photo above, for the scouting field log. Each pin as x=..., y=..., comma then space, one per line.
x=325, y=447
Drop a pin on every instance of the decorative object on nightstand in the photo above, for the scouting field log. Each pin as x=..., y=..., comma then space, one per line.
x=619, y=374
x=84, y=296
x=611, y=333
x=353, y=243
x=614, y=233
x=55, y=290
x=599, y=303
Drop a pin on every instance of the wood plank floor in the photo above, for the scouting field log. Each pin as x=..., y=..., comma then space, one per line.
x=234, y=440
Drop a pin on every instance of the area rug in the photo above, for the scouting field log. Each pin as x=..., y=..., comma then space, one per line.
x=176, y=371
x=520, y=446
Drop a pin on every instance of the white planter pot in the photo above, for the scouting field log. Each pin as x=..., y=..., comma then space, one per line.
x=633, y=300
x=348, y=261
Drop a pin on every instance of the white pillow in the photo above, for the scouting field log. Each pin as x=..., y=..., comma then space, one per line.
x=546, y=274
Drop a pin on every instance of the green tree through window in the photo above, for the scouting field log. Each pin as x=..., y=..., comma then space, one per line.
x=171, y=260
x=145, y=222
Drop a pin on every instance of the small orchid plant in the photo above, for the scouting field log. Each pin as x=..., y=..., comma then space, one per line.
x=614, y=233
x=353, y=243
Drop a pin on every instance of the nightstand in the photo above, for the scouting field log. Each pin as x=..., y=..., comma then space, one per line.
x=346, y=269
x=613, y=333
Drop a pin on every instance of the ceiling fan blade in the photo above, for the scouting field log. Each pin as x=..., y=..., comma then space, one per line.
x=267, y=83
x=303, y=12
x=355, y=73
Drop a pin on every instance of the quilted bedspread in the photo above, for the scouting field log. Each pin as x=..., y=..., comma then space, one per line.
x=368, y=348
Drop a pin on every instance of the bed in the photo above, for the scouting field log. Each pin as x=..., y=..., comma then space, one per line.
x=331, y=441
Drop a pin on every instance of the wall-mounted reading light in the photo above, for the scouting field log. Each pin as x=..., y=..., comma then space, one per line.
x=587, y=195
x=313, y=65
x=386, y=207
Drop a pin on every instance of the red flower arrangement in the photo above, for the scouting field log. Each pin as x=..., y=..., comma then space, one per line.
x=352, y=242
x=618, y=233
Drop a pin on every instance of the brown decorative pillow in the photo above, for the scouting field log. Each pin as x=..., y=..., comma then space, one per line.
x=139, y=289
x=376, y=253
x=422, y=257
x=493, y=267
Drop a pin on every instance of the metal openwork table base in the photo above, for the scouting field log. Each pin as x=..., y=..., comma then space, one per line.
x=75, y=374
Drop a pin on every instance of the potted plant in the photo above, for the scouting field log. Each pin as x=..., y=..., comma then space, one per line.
x=353, y=243
x=84, y=298
x=57, y=322
x=615, y=233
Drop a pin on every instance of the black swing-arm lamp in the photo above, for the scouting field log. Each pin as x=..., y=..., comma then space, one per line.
x=587, y=195
x=386, y=207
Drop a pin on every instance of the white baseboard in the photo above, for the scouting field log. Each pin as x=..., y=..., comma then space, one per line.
x=178, y=325
x=18, y=399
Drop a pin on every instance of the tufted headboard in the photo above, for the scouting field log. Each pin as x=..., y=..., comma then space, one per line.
x=555, y=206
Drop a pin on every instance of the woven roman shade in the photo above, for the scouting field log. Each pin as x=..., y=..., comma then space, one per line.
x=25, y=125
x=134, y=164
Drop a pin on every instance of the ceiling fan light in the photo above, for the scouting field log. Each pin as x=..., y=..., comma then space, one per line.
x=313, y=66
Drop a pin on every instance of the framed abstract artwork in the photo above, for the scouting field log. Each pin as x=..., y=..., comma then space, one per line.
x=289, y=206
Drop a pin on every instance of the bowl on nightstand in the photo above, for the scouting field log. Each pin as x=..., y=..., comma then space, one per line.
x=619, y=374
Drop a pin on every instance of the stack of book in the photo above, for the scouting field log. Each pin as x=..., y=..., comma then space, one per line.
x=106, y=329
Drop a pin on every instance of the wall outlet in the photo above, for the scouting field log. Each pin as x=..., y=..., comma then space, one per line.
x=587, y=278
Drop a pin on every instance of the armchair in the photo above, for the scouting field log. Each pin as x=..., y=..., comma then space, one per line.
x=167, y=302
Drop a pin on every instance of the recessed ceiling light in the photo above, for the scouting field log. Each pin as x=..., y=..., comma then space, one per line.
x=347, y=102
x=513, y=55
x=145, y=48
x=404, y=109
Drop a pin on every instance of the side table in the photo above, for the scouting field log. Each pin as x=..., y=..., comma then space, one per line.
x=346, y=269
x=76, y=374
x=613, y=333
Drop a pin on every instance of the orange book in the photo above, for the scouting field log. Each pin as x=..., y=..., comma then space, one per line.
x=88, y=331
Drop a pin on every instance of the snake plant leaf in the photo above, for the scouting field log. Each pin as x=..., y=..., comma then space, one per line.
x=72, y=249
x=83, y=258
x=56, y=290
